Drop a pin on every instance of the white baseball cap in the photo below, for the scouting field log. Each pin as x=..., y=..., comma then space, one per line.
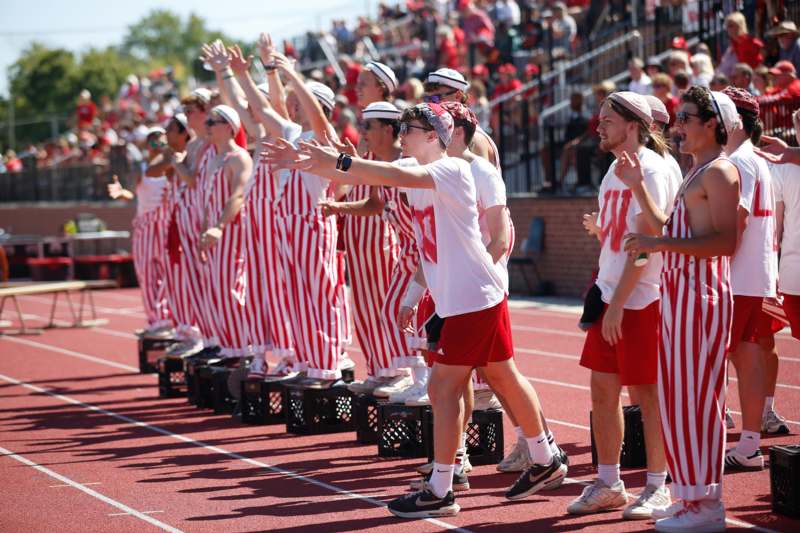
x=323, y=93
x=384, y=73
x=230, y=115
x=449, y=77
x=658, y=109
x=381, y=110
x=725, y=111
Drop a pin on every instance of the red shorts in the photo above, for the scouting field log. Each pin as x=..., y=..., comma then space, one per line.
x=476, y=339
x=750, y=322
x=635, y=356
x=791, y=306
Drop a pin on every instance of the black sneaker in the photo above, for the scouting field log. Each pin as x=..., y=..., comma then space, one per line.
x=424, y=504
x=535, y=478
x=460, y=482
x=556, y=483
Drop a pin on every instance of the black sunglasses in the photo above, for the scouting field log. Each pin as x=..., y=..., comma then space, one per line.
x=682, y=117
x=405, y=126
x=210, y=122
x=437, y=98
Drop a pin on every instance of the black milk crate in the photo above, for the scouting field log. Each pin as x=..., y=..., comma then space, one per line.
x=365, y=409
x=171, y=377
x=223, y=401
x=192, y=366
x=204, y=377
x=485, y=441
x=784, y=479
x=315, y=411
x=401, y=430
x=633, y=454
x=150, y=350
x=262, y=402
x=348, y=375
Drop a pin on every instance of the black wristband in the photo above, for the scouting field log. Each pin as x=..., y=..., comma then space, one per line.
x=346, y=162
x=339, y=161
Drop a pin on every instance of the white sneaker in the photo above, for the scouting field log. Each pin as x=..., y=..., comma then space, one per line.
x=518, y=459
x=366, y=386
x=396, y=384
x=650, y=499
x=695, y=517
x=257, y=368
x=485, y=399
x=413, y=391
x=185, y=348
x=729, y=423
x=345, y=363
x=658, y=514
x=738, y=462
x=773, y=424
x=599, y=497
x=427, y=468
x=418, y=399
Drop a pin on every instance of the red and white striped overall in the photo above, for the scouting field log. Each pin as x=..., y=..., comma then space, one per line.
x=311, y=270
x=371, y=256
x=150, y=261
x=399, y=214
x=227, y=290
x=696, y=312
x=267, y=308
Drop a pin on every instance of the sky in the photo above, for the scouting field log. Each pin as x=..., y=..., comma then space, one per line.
x=80, y=24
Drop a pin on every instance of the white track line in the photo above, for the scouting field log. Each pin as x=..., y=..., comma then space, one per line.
x=83, y=488
x=216, y=449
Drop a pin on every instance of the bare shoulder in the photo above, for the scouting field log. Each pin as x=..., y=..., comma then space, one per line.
x=721, y=172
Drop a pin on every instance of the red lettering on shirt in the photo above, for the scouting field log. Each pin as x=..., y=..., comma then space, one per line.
x=425, y=222
x=758, y=211
x=614, y=225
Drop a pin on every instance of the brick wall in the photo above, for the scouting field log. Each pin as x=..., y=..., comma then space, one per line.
x=570, y=255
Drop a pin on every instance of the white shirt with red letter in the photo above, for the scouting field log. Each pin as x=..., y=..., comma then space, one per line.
x=458, y=270
x=754, y=266
x=618, y=210
x=786, y=186
x=491, y=192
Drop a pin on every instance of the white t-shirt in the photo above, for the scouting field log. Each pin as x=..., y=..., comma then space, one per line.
x=150, y=193
x=786, y=187
x=675, y=179
x=754, y=266
x=617, y=218
x=644, y=85
x=491, y=192
x=458, y=270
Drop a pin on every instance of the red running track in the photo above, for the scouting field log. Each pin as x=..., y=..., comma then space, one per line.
x=86, y=445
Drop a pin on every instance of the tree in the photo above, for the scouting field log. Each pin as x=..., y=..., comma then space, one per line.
x=43, y=80
x=158, y=35
x=102, y=72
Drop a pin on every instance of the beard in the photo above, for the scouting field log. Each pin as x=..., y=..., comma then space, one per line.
x=610, y=144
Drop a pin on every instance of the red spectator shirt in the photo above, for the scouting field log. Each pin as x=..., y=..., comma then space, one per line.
x=448, y=54
x=350, y=133
x=504, y=88
x=778, y=106
x=748, y=50
x=672, y=104
x=86, y=113
x=478, y=27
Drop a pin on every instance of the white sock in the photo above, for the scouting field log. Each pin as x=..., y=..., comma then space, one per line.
x=748, y=443
x=656, y=479
x=419, y=374
x=769, y=404
x=441, y=479
x=461, y=455
x=540, y=449
x=551, y=440
x=608, y=474
x=518, y=432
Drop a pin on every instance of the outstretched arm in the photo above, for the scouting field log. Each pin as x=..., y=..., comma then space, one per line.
x=372, y=205
x=322, y=160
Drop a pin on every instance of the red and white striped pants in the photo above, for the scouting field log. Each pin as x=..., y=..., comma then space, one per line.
x=311, y=270
x=402, y=275
x=371, y=255
x=150, y=261
x=267, y=304
x=696, y=313
x=183, y=306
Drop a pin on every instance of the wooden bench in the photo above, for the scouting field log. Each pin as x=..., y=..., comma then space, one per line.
x=11, y=290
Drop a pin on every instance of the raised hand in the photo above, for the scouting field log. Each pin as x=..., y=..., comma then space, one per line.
x=265, y=49
x=239, y=63
x=281, y=154
x=629, y=170
x=282, y=62
x=215, y=55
